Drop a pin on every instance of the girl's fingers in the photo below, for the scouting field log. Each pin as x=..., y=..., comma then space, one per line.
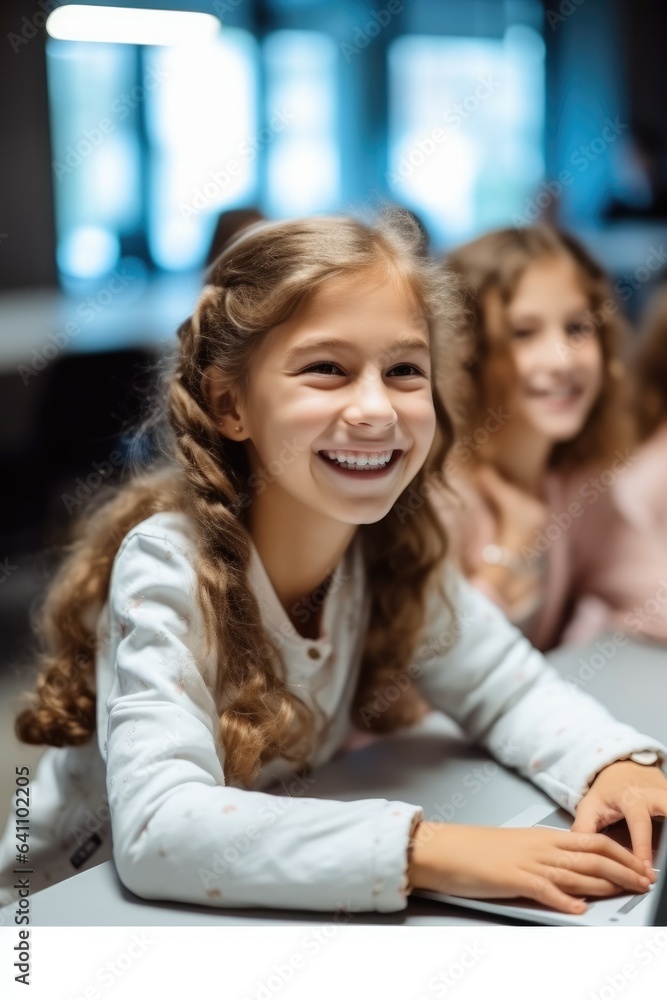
x=641, y=832
x=544, y=891
x=586, y=864
x=600, y=843
x=593, y=815
x=588, y=818
x=639, y=818
x=585, y=885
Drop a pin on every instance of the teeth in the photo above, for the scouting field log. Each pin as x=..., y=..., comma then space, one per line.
x=360, y=460
x=558, y=393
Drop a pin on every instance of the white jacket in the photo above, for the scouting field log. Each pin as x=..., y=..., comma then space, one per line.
x=179, y=832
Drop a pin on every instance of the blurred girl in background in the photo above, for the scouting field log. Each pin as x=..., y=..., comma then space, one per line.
x=642, y=495
x=546, y=436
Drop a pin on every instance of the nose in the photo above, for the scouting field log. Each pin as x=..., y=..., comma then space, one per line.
x=371, y=403
x=561, y=355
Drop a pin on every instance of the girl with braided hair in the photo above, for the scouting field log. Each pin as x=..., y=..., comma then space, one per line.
x=277, y=574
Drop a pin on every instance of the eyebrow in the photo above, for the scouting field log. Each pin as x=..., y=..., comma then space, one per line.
x=336, y=344
x=535, y=318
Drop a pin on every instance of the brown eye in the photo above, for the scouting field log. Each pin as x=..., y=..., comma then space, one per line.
x=416, y=370
x=581, y=328
x=321, y=364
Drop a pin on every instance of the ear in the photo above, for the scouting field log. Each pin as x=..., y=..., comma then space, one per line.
x=222, y=403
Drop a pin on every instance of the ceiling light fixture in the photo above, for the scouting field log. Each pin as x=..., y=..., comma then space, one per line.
x=129, y=25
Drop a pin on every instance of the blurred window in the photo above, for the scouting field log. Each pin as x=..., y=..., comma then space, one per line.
x=96, y=155
x=300, y=134
x=200, y=124
x=149, y=145
x=466, y=126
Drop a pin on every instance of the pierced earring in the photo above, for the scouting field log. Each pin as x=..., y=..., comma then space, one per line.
x=237, y=428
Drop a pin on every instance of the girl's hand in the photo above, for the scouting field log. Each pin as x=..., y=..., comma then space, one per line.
x=625, y=790
x=519, y=515
x=550, y=866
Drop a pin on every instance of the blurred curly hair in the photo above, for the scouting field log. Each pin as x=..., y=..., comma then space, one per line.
x=495, y=263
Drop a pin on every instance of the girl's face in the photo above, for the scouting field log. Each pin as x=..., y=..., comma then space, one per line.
x=347, y=377
x=555, y=350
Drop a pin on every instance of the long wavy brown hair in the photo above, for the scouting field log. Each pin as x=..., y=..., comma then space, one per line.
x=496, y=262
x=257, y=283
x=649, y=368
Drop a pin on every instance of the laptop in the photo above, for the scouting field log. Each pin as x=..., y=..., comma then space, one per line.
x=624, y=910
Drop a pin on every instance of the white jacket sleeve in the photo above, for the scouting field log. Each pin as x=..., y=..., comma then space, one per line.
x=179, y=832
x=481, y=670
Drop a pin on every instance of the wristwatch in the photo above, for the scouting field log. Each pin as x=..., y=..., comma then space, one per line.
x=643, y=757
x=499, y=555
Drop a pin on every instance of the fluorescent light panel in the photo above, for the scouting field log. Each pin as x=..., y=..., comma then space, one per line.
x=79, y=23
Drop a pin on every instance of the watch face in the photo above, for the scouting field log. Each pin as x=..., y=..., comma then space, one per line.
x=644, y=757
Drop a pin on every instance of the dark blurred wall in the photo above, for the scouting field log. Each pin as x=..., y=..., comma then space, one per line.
x=585, y=91
x=27, y=232
x=643, y=25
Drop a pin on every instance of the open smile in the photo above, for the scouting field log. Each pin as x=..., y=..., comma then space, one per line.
x=359, y=465
x=557, y=399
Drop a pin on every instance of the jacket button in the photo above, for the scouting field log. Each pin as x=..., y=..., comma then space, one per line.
x=314, y=653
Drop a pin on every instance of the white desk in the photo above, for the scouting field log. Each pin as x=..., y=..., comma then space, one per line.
x=421, y=767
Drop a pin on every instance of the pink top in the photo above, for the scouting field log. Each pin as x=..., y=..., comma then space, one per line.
x=602, y=557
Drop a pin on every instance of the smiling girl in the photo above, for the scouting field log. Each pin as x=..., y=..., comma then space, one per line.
x=643, y=495
x=303, y=403
x=537, y=523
